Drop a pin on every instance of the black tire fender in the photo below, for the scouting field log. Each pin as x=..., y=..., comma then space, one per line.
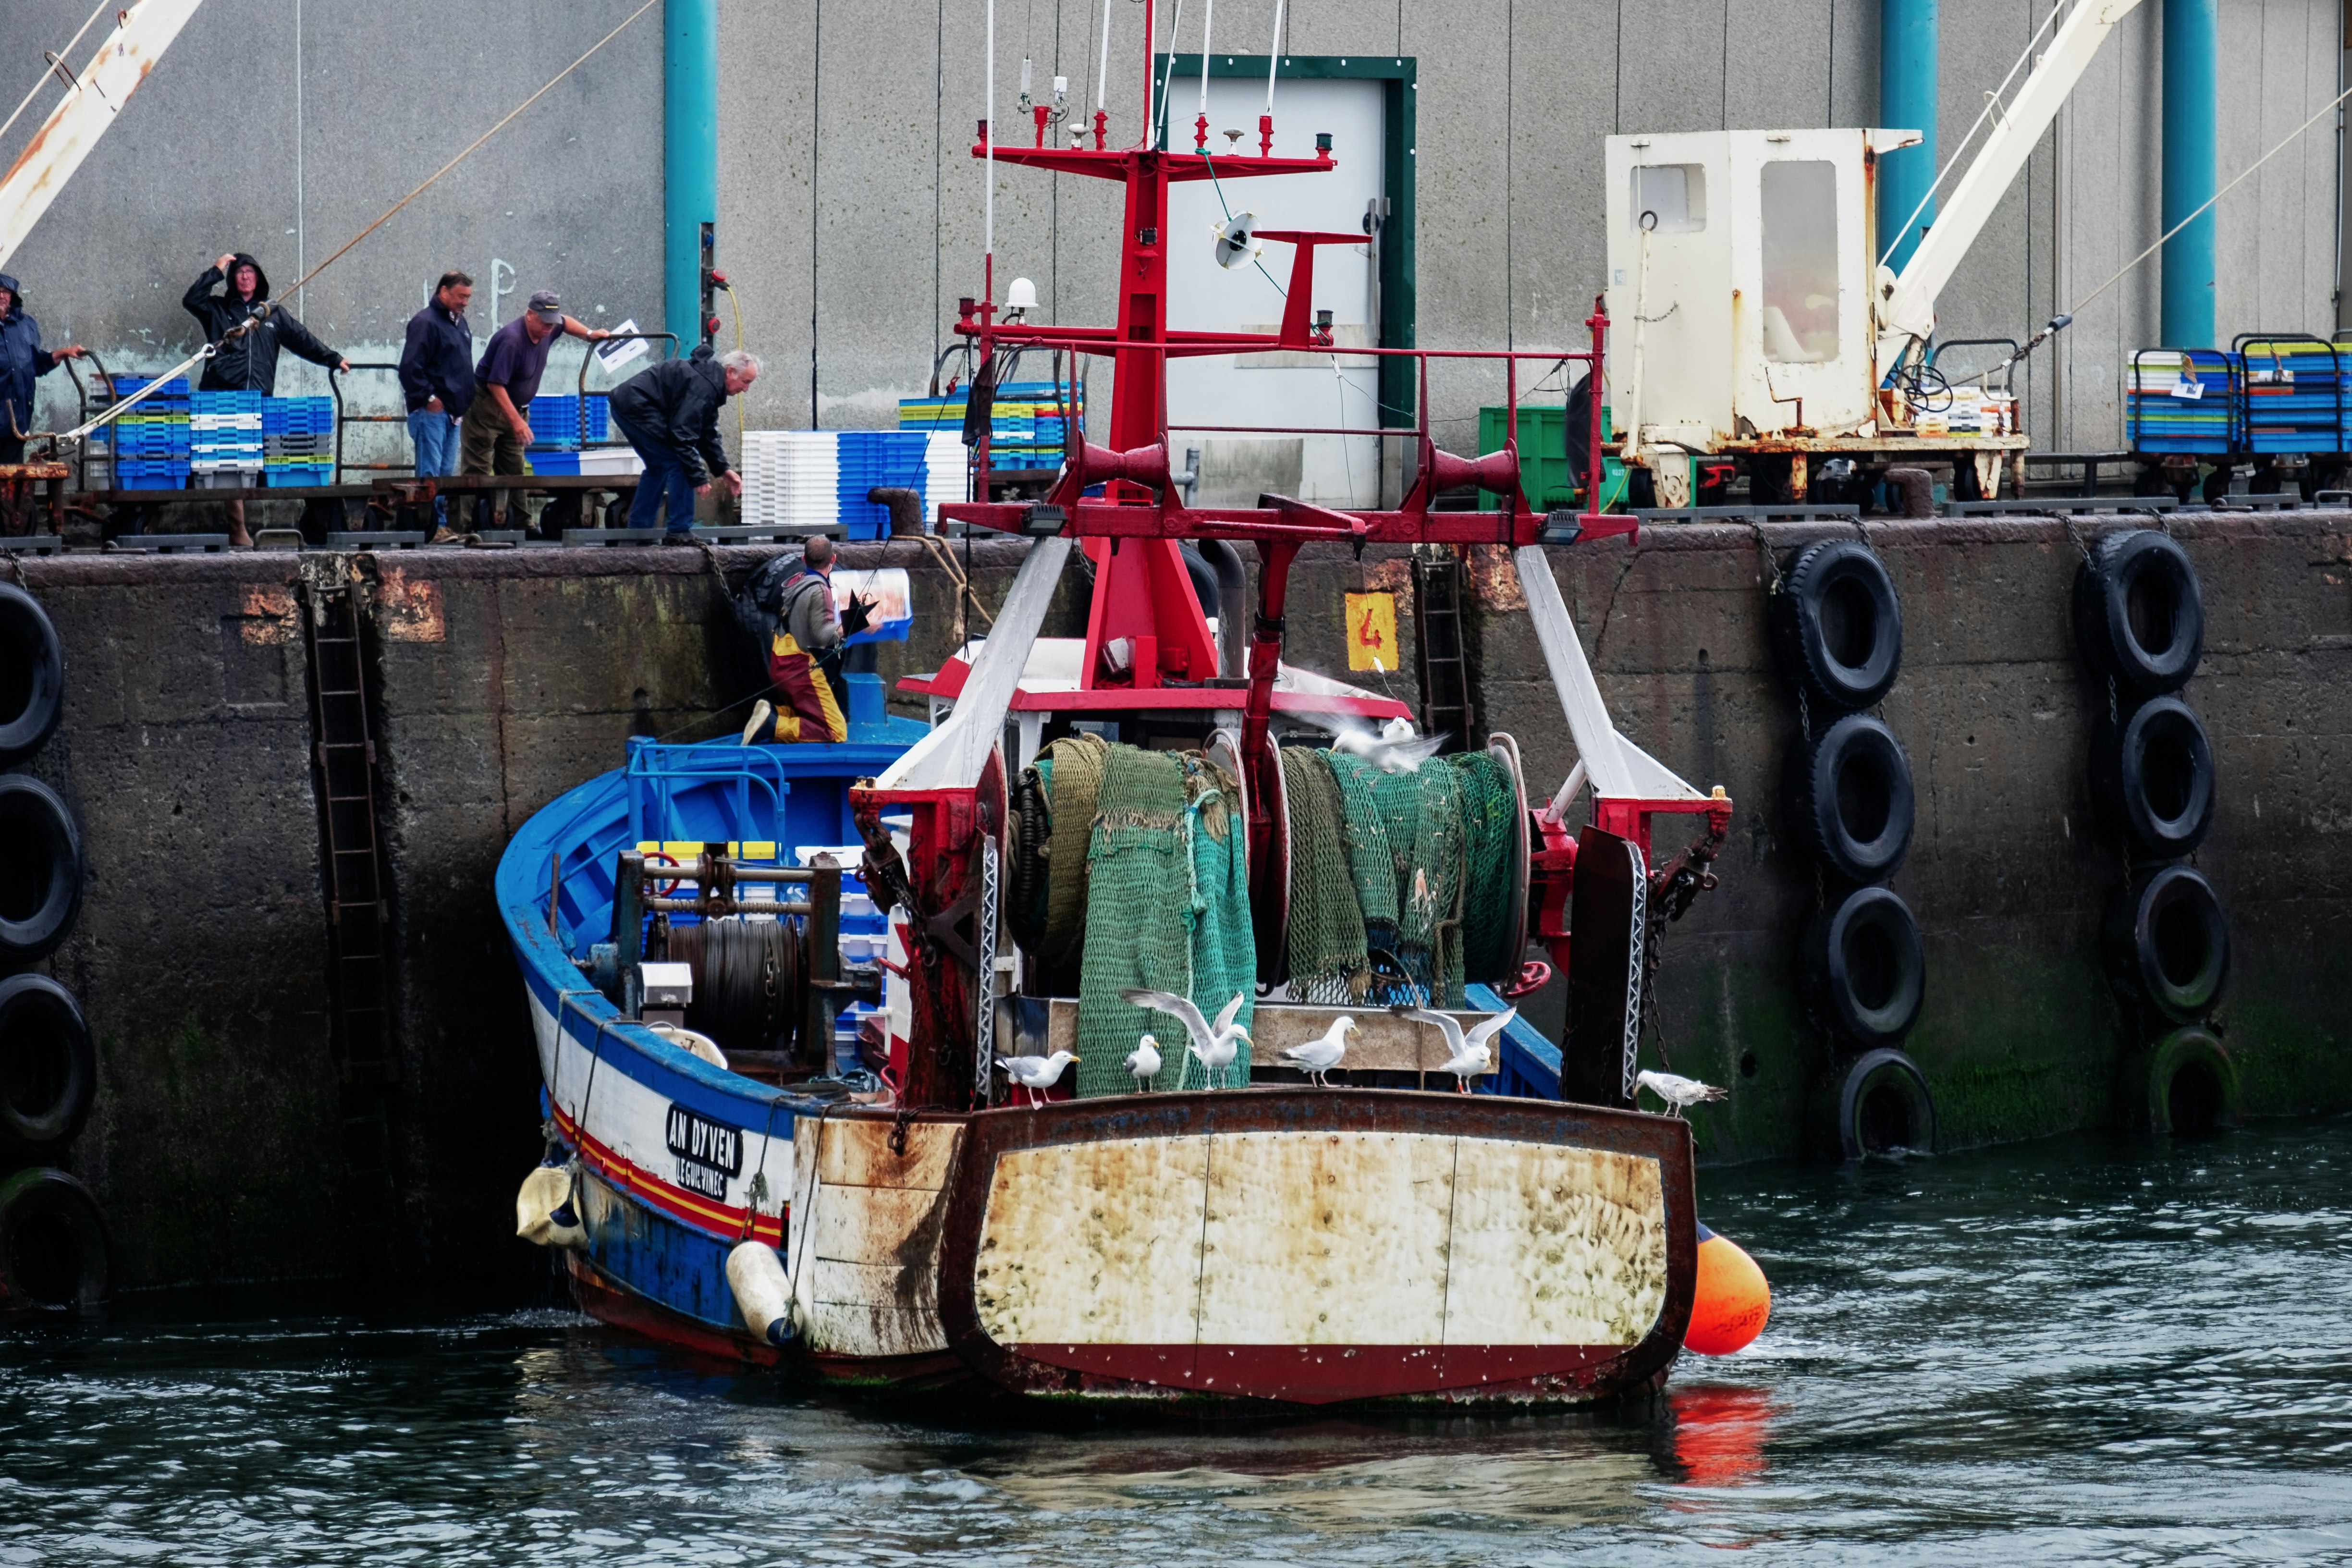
x=2153, y=776
x=1885, y=1104
x=2186, y=1083
x=2168, y=943
x=48, y=1068
x=32, y=675
x=41, y=869
x=55, y=1253
x=1866, y=967
x=1852, y=801
x=2139, y=615
x=1839, y=624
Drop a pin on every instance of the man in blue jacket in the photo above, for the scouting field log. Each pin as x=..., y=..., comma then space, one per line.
x=22, y=360
x=247, y=362
x=437, y=379
x=669, y=413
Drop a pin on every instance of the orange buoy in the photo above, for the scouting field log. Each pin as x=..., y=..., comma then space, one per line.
x=1733, y=1300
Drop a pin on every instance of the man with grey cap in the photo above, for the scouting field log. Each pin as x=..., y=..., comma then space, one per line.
x=497, y=422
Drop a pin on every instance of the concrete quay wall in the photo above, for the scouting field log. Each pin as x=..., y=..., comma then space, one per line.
x=503, y=678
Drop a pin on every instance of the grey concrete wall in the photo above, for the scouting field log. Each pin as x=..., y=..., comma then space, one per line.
x=850, y=210
x=855, y=227
x=285, y=127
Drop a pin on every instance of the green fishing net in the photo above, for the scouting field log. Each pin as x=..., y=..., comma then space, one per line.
x=1166, y=906
x=1325, y=952
x=1490, y=805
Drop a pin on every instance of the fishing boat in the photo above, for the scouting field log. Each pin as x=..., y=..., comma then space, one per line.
x=844, y=1048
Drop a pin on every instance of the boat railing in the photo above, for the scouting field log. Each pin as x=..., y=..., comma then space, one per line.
x=753, y=778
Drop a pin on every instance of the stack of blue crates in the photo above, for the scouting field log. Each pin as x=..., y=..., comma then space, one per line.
x=152, y=441
x=2181, y=400
x=298, y=438
x=872, y=460
x=1026, y=425
x=2289, y=396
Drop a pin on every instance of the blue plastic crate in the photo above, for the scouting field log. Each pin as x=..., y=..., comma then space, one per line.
x=285, y=475
x=124, y=385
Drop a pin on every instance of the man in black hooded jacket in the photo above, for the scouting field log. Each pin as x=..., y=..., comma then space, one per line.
x=247, y=362
x=250, y=364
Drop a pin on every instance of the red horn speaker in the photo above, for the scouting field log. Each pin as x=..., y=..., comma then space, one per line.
x=1139, y=465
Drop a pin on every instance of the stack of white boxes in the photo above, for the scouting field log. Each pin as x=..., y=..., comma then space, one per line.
x=945, y=473
x=792, y=478
x=224, y=447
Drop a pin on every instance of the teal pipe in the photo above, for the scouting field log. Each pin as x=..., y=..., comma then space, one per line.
x=2191, y=89
x=689, y=157
x=1906, y=101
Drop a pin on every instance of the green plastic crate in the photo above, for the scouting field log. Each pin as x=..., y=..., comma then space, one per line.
x=1543, y=459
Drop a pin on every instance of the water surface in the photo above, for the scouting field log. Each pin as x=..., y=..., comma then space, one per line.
x=2082, y=1350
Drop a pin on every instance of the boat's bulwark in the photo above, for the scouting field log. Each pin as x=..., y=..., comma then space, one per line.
x=1319, y=1247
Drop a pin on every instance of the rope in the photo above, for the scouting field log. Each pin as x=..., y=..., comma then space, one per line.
x=52, y=65
x=119, y=408
x=2216, y=196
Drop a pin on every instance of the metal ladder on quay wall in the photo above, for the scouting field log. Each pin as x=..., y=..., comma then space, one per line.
x=1441, y=661
x=351, y=876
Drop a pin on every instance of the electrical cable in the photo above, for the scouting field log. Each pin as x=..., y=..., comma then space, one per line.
x=53, y=62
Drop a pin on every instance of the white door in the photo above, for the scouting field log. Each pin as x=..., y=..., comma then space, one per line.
x=1802, y=256
x=1328, y=390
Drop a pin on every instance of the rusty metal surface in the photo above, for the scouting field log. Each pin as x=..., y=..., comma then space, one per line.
x=1559, y=1169
x=867, y=1204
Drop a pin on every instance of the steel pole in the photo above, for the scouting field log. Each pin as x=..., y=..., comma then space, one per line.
x=1906, y=101
x=2190, y=89
x=689, y=156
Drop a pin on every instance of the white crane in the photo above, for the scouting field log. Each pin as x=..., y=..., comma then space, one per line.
x=55, y=152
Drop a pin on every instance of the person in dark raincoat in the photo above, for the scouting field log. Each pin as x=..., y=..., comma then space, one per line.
x=247, y=362
x=22, y=360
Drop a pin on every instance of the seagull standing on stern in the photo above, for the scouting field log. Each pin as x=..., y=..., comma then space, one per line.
x=1143, y=1062
x=1679, y=1093
x=1471, y=1055
x=1036, y=1074
x=1215, y=1047
x=1319, y=1056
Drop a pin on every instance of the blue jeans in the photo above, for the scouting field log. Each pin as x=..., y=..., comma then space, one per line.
x=435, y=435
x=664, y=478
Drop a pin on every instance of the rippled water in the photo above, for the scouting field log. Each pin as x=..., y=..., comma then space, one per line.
x=2078, y=1350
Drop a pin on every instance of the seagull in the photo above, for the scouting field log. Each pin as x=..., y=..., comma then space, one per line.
x=1392, y=747
x=1318, y=1057
x=1036, y=1073
x=1143, y=1062
x=1471, y=1054
x=1215, y=1047
x=1677, y=1091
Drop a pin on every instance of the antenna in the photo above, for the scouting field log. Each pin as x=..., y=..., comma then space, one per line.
x=1201, y=128
x=1273, y=57
x=1102, y=81
x=988, y=142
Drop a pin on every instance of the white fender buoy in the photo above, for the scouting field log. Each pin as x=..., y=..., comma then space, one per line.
x=693, y=1044
x=545, y=1192
x=762, y=1294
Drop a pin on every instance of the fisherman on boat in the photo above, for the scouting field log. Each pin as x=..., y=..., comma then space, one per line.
x=805, y=643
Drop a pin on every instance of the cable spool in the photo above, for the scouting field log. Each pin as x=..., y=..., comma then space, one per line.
x=749, y=978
